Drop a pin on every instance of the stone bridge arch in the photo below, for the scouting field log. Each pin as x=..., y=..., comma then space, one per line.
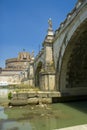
x=37, y=73
x=71, y=73
x=70, y=52
x=62, y=53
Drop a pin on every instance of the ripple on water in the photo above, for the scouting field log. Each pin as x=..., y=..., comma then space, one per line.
x=14, y=125
x=2, y=114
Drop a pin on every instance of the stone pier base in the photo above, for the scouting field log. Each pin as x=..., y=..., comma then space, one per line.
x=33, y=98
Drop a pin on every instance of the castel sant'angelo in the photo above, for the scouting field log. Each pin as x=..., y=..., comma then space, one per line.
x=61, y=65
x=16, y=69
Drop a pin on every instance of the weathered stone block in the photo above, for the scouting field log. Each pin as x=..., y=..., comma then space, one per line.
x=18, y=102
x=32, y=94
x=33, y=100
x=22, y=95
x=42, y=94
x=45, y=100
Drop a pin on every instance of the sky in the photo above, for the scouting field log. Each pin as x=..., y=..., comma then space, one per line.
x=24, y=24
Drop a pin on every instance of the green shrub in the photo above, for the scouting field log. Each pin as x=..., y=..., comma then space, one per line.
x=9, y=95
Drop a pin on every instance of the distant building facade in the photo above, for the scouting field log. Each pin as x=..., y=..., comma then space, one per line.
x=17, y=69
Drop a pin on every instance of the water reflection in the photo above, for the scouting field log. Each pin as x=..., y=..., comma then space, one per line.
x=14, y=125
x=39, y=124
x=34, y=118
x=2, y=114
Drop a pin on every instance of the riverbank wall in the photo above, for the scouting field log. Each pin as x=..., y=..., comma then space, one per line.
x=41, y=97
x=33, y=98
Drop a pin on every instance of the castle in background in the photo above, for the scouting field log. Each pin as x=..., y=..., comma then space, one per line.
x=17, y=69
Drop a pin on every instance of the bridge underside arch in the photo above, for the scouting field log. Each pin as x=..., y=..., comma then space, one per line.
x=37, y=74
x=73, y=74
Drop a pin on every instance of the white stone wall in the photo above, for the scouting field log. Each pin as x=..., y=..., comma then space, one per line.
x=52, y=82
x=48, y=54
x=47, y=81
x=10, y=79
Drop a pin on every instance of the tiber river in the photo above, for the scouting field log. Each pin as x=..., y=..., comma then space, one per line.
x=49, y=117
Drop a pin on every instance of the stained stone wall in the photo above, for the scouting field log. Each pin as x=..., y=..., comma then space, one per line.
x=69, y=49
x=77, y=77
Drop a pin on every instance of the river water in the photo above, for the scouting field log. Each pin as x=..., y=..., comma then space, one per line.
x=48, y=117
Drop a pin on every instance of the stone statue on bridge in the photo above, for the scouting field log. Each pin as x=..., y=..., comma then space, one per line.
x=50, y=23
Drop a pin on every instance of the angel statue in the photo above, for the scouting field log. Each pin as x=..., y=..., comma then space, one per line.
x=50, y=23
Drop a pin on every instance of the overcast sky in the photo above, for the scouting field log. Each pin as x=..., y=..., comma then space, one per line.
x=24, y=24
